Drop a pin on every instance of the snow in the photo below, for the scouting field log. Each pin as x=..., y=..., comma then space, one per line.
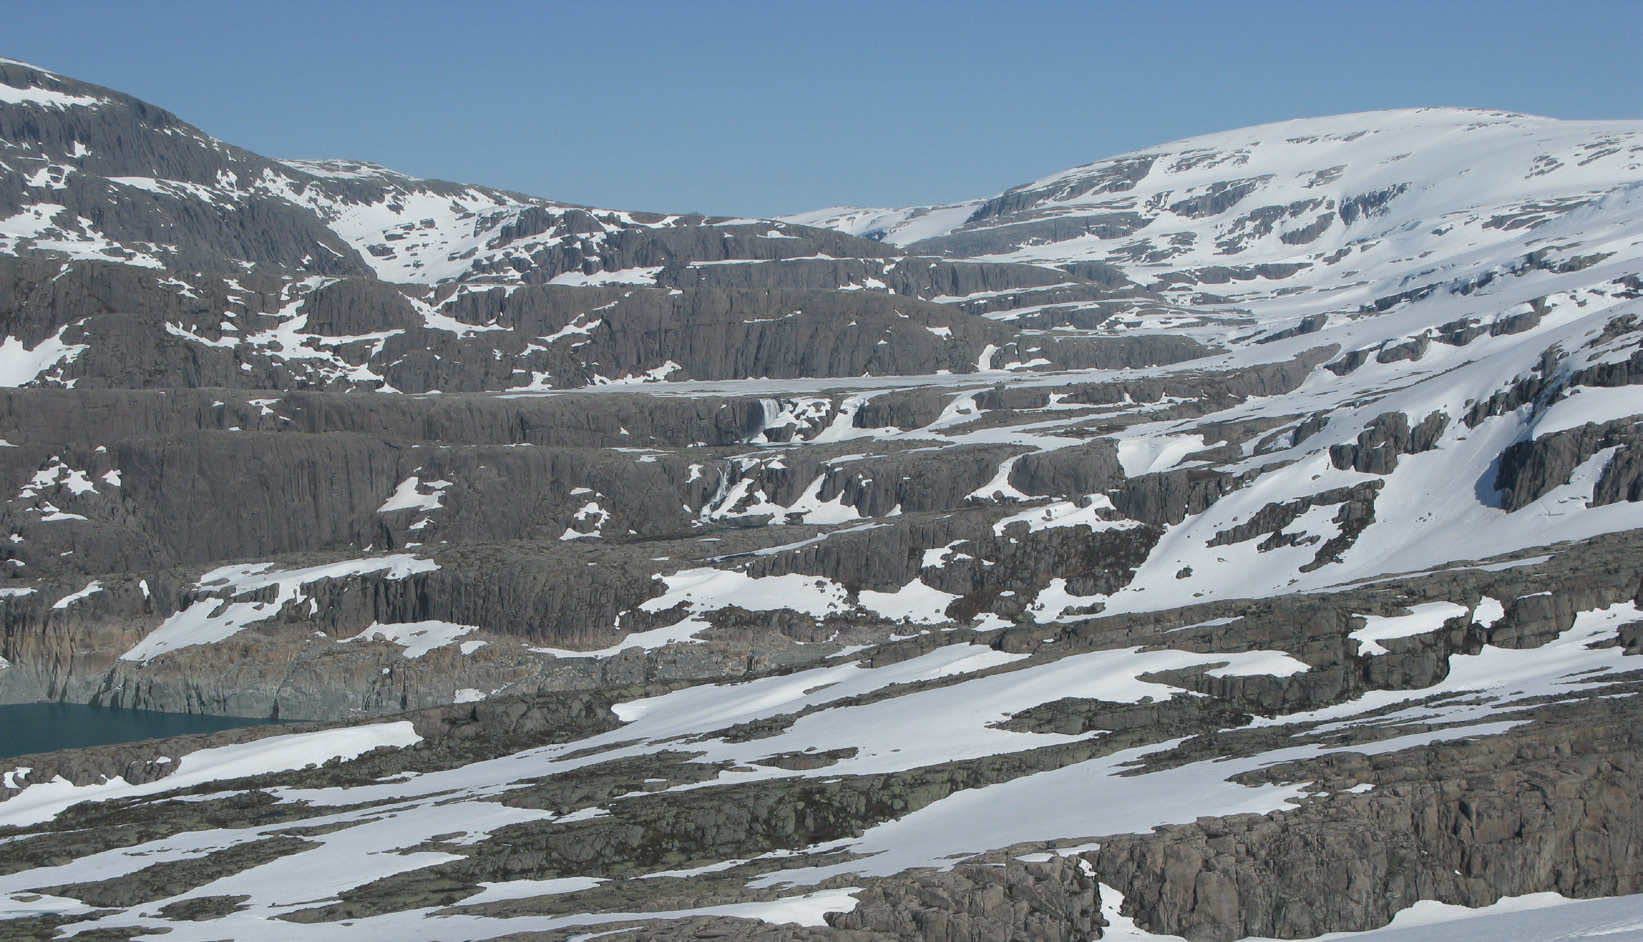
x=1265, y=663
x=218, y=617
x=370, y=848
x=417, y=638
x=24, y=905
x=915, y=602
x=740, y=494
x=1088, y=798
x=810, y=508
x=527, y=889
x=984, y=659
x=708, y=589
x=654, y=375
x=952, y=722
x=1488, y=612
x=1479, y=685
x=340, y=169
x=573, y=329
x=1142, y=454
x=409, y=496
x=48, y=227
x=78, y=483
x=810, y=909
x=1534, y=917
x=1065, y=513
x=591, y=514
x=1435, y=512
x=999, y=488
x=20, y=365
x=905, y=225
x=1480, y=157
x=45, y=98
x=91, y=589
x=984, y=363
x=626, y=276
x=1422, y=619
x=42, y=802
x=53, y=515
x=1449, y=518
x=923, y=726
x=682, y=633
x=1590, y=404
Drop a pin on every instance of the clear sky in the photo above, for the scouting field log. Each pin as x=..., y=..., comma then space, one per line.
x=762, y=108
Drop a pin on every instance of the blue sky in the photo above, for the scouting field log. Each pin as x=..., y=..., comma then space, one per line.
x=775, y=107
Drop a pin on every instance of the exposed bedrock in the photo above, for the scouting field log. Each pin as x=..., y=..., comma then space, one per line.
x=1090, y=468
x=1109, y=176
x=139, y=331
x=1056, y=900
x=1001, y=238
x=1388, y=436
x=670, y=247
x=1529, y=470
x=1547, y=804
x=706, y=558
x=39, y=296
x=1553, y=808
x=125, y=137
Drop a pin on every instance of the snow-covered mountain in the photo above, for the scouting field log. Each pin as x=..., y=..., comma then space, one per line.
x=239, y=271
x=1239, y=537
x=1457, y=265
x=1305, y=197
x=116, y=178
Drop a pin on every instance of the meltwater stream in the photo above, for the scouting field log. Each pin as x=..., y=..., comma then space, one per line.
x=27, y=728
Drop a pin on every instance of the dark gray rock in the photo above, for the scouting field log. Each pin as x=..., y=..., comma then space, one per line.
x=1528, y=470
x=1387, y=437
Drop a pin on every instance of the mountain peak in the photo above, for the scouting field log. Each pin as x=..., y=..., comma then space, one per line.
x=1166, y=537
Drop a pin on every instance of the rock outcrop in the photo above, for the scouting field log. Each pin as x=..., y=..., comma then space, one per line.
x=1163, y=530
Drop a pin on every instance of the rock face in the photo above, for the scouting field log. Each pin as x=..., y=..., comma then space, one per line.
x=1443, y=768
x=1554, y=812
x=1239, y=537
x=1055, y=900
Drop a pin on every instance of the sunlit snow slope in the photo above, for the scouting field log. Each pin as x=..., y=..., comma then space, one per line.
x=1473, y=271
x=1238, y=538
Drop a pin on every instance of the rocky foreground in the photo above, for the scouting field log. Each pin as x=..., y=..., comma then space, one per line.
x=1236, y=538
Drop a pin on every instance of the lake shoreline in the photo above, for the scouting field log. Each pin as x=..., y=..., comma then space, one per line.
x=31, y=728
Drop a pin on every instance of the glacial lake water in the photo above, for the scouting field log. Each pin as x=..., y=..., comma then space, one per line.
x=43, y=727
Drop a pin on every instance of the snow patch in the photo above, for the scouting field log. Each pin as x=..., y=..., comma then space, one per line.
x=219, y=617
x=417, y=638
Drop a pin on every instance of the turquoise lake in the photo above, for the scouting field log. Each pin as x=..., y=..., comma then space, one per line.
x=42, y=727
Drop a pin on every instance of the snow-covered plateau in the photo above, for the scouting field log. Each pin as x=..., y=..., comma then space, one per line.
x=1237, y=538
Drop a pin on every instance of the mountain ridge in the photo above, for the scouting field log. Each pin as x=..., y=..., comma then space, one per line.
x=1148, y=557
